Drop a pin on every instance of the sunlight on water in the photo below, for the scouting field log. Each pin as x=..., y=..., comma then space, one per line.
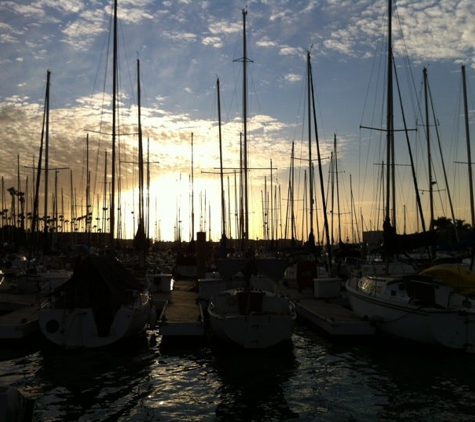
x=315, y=379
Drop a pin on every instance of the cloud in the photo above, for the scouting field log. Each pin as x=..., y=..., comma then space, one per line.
x=81, y=32
x=215, y=42
x=290, y=51
x=266, y=42
x=292, y=77
x=186, y=37
x=223, y=27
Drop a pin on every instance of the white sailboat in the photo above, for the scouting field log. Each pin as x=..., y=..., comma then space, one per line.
x=102, y=303
x=247, y=316
x=252, y=317
x=435, y=306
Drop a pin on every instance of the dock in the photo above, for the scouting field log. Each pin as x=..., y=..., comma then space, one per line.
x=332, y=318
x=181, y=312
x=324, y=306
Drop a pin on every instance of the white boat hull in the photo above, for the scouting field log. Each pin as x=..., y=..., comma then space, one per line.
x=252, y=328
x=396, y=314
x=79, y=327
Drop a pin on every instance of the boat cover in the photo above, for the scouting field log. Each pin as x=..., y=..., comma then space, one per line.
x=100, y=278
x=457, y=276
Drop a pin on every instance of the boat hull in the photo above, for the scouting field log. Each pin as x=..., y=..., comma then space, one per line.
x=88, y=328
x=250, y=323
x=400, y=316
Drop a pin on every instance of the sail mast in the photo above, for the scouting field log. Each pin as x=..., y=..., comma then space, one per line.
x=469, y=153
x=311, y=236
x=244, y=110
x=192, y=194
x=114, y=111
x=244, y=60
x=429, y=157
x=141, y=175
x=389, y=127
x=45, y=227
x=223, y=207
x=322, y=188
x=140, y=241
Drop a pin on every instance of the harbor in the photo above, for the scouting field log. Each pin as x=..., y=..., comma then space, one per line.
x=319, y=376
x=182, y=238
x=181, y=313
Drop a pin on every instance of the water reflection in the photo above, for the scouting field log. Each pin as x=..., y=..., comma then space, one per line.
x=422, y=382
x=90, y=384
x=318, y=378
x=252, y=387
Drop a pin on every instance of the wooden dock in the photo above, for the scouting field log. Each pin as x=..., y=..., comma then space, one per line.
x=179, y=311
x=328, y=314
x=332, y=318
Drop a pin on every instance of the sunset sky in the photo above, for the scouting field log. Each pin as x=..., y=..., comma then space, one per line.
x=183, y=46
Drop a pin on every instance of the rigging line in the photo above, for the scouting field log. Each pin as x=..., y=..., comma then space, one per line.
x=449, y=196
x=418, y=200
x=105, y=46
x=382, y=65
x=408, y=68
x=301, y=101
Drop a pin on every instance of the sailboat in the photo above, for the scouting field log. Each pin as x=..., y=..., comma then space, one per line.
x=102, y=303
x=246, y=316
x=435, y=306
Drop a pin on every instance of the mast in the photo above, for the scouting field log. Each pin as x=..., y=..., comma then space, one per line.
x=45, y=227
x=192, y=195
x=311, y=236
x=322, y=188
x=291, y=189
x=469, y=153
x=44, y=136
x=88, y=192
x=244, y=61
x=390, y=127
x=337, y=190
x=140, y=241
x=431, y=250
x=223, y=207
x=114, y=123
x=244, y=105
x=271, y=205
x=429, y=157
x=141, y=175
x=104, y=198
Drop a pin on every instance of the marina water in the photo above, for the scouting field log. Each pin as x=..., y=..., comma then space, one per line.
x=316, y=378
